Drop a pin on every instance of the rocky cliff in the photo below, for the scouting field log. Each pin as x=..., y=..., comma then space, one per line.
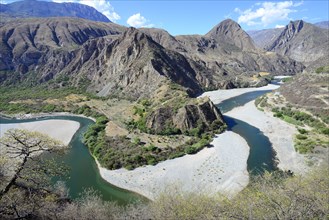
x=203, y=115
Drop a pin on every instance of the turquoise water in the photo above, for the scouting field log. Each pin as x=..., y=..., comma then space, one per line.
x=83, y=171
x=261, y=156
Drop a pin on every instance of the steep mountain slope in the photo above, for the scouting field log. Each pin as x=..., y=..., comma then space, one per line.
x=33, y=8
x=225, y=57
x=309, y=91
x=132, y=65
x=30, y=43
x=231, y=33
x=301, y=41
x=264, y=37
x=120, y=61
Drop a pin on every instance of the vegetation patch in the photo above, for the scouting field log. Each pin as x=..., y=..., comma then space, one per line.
x=122, y=151
x=316, y=135
x=322, y=69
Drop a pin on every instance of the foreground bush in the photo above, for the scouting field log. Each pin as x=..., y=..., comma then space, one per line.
x=270, y=196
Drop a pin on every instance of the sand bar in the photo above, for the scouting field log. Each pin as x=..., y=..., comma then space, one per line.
x=62, y=130
x=218, y=96
x=222, y=168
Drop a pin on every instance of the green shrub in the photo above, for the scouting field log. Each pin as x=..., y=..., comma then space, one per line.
x=301, y=137
x=145, y=102
x=190, y=150
x=324, y=131
x=288, y=79
x=102, y=120
x=136, y=140
x=302, y=131
x=129, y=167
x=278, y=115
x=49, y=108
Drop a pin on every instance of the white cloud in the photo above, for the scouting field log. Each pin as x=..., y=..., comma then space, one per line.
x=102, y=6
x=137, y=20
x=267, y=13
x=279, y=26
x=7, y=1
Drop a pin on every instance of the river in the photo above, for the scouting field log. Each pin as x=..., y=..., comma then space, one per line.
x=84, y=172
x=261, y=155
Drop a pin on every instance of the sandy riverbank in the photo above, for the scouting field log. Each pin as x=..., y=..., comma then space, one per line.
x=62, y=130
x=220, y=95
x=222, y=168
x=42, y=115
x=280, y=134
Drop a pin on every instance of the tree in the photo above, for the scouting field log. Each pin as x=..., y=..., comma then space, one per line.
x=26, y=178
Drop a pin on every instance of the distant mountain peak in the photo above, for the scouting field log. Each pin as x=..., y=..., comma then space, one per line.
x=223, y=27
x=322, y=24
x=34, y=8
x=230, y=32
x=301, y=41
x=295, y=26
x=135, y=34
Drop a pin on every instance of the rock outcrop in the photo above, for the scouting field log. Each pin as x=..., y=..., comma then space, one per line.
x=203, y=115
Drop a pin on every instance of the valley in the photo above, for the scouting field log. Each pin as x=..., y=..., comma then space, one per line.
x=148, y=120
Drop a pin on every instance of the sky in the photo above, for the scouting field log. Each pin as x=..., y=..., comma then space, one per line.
x=198, y=17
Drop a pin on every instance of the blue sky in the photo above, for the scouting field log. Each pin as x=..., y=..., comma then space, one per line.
x=198, y=17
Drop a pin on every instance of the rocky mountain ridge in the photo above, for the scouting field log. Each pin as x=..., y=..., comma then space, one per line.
x=133, y=62
x=299, y=40
x=33, y=8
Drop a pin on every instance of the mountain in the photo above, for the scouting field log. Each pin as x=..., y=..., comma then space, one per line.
x=301, y=41
x=133, y=62
x=298, y=40
x=33, y=8
x=322, y=24
x=226, y=56
x=230, y=32
x=133, y=65
x=264, y=37
x=27, y=44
